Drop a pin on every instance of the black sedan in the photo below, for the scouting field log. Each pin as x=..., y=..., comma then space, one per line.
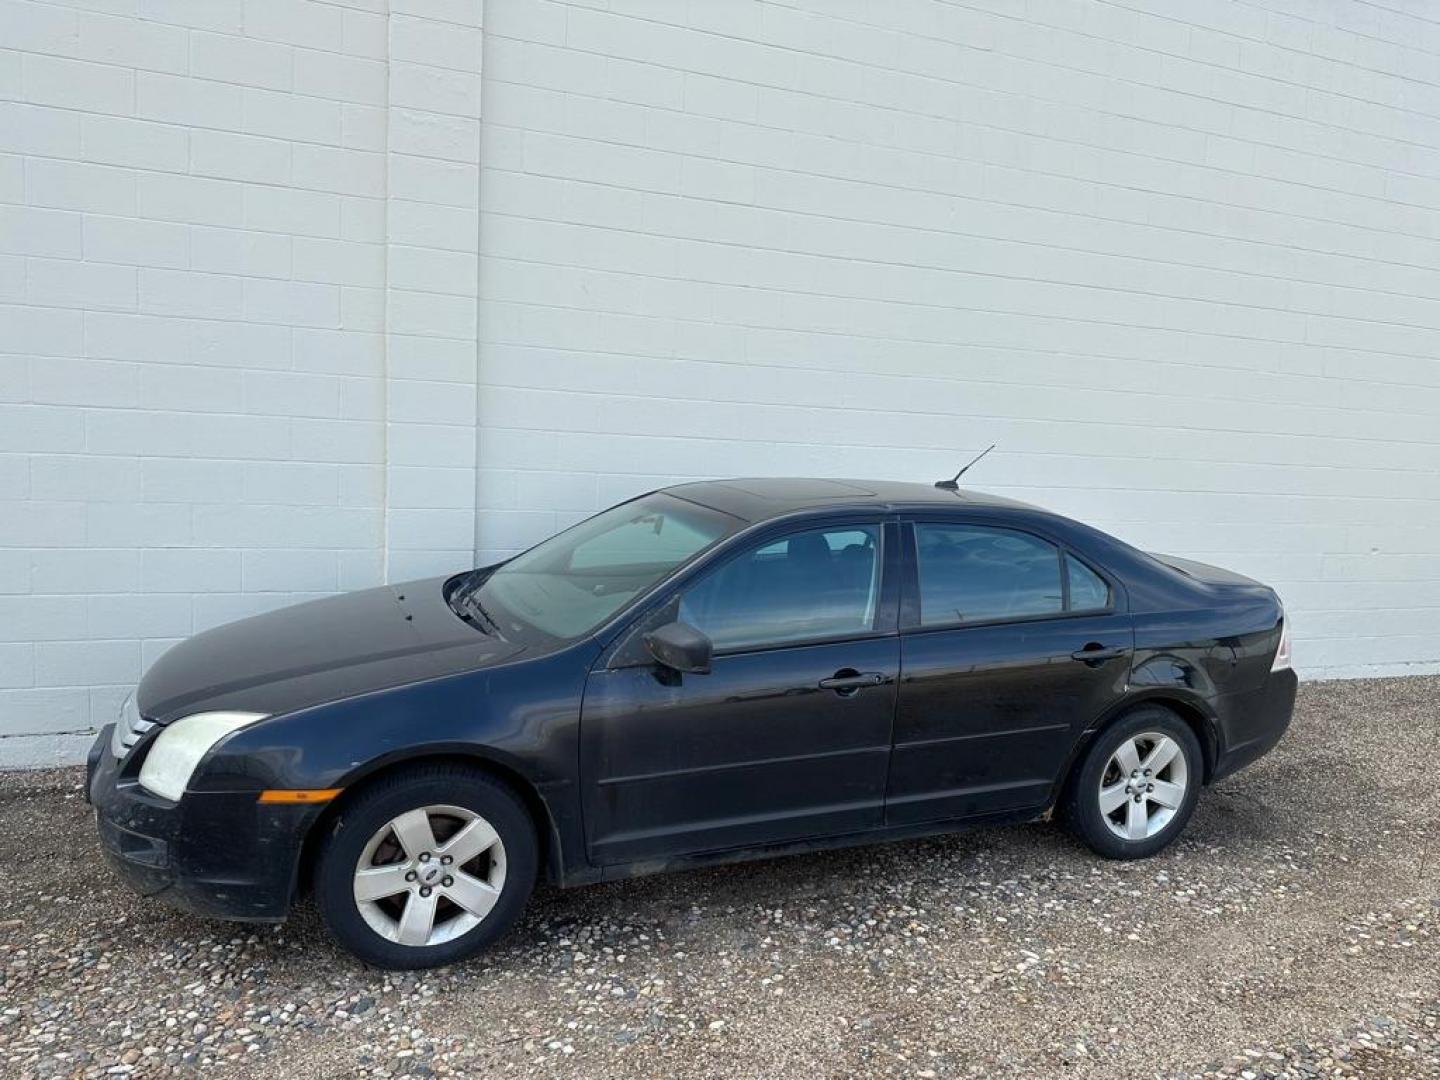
x=715, y=671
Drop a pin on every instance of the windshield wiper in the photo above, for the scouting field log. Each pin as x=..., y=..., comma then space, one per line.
x=465, y=602
x=473, y=605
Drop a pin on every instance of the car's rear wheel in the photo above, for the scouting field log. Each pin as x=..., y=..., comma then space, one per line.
x=426, y=867
x=1136, y=786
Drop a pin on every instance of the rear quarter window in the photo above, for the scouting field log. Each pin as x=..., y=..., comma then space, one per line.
x=1088, y=590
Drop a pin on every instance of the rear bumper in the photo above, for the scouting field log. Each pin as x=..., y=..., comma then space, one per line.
x=1255, y=722
x=220, y=855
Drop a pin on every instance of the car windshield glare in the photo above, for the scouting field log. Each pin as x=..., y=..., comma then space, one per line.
x=570, y=584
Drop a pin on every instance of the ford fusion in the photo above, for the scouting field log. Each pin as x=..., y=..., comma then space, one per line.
x=715, y=671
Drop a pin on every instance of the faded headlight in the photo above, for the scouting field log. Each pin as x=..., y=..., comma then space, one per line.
x=178, y=749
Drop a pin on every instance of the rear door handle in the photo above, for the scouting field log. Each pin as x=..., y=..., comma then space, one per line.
x=1095, y=654
x=848, y=684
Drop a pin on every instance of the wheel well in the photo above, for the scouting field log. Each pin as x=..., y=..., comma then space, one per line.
x=1193, y=717
x=1198, y=723
x=539, y=814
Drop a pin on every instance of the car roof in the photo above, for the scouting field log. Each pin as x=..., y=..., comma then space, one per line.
x=755, y=499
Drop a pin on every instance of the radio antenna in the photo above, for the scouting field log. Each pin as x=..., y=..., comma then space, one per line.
x=953, y=484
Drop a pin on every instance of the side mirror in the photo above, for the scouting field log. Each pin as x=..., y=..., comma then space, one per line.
x=681, y=647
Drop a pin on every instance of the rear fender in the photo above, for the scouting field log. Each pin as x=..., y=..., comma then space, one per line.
x=1170, y=685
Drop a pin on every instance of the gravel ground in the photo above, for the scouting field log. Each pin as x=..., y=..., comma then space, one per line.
x=1293, y=931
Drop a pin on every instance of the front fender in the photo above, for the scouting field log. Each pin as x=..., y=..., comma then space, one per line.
x=524, y=713
x=522, y=718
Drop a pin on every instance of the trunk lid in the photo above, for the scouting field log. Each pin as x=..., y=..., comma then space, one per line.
x=1210, y=575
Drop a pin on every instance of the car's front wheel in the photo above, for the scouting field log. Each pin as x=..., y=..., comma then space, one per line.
x=426, y=867
x=1137, y=785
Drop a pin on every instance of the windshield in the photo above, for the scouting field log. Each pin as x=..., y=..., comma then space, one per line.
x=568, y=585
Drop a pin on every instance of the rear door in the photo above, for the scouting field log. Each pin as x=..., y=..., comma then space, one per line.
x=1010, y=646
x=787, y=737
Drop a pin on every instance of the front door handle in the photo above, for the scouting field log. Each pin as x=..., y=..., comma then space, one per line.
x=1095, y=653
x=847, y=682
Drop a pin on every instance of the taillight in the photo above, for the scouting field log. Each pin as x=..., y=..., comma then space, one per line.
x=1282, y=654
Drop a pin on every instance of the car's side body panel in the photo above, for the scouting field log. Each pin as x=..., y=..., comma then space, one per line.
x=753, y=752
x=522, y=718
x=988, y=712
x=1211, y=651
x=750, y=753
x=988, y=715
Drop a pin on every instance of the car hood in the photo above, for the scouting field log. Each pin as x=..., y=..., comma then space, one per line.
x=318, y=652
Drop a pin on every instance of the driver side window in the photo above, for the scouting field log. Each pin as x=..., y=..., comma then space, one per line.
x=820, y=583
x=973, y=573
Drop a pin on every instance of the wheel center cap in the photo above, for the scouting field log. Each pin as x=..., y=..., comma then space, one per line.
x=430, y=874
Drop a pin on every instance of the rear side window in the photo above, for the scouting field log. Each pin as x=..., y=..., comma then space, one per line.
x=1088, y=590
x=979, y=573
x=974, y=573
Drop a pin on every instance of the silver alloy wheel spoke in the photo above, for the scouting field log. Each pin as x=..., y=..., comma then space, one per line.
x=1167, y=794
x=1137, y=819
x=1163, y=753
x=405, y=871
x=470, y=841
x=414, y=833
x=1143, y=786
x=475, y=896
x=1112, y=797
x=1127, y=756
x=378, y=882
x=418, y=920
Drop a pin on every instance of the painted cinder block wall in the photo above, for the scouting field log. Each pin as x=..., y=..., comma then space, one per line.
x=301, y=296
x=238, y=246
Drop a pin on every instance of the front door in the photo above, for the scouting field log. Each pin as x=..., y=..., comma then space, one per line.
x=787, y=737
x=1011, y=647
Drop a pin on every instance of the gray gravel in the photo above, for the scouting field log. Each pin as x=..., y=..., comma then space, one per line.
x=1293, y=931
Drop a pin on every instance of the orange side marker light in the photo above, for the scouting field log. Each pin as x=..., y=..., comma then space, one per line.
x=299, y=795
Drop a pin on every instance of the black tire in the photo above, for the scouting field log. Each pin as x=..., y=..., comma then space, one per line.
x=1080, y=806
x=384, y=800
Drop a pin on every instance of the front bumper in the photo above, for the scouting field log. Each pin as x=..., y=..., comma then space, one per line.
x=222, y=854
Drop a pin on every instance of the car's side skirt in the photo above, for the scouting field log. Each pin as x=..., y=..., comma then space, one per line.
x=643, y=868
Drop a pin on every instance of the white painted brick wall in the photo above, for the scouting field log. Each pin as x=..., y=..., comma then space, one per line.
x=1179, y=260
x=430, y=302
x=207, y=208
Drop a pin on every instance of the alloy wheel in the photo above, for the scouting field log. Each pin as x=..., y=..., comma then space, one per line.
x=430, y=875
x=1143, y=785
